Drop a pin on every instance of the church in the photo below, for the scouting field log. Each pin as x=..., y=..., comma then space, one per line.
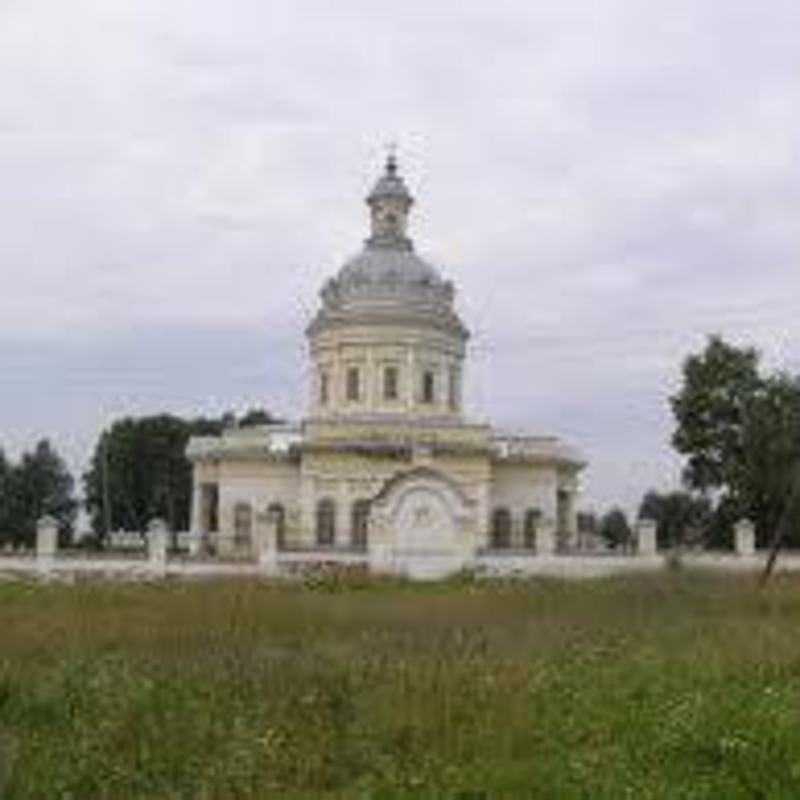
x=385, y=470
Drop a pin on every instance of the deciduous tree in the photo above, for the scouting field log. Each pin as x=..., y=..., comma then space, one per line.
x=740, y=432
x=614, y=528
x=680, y=517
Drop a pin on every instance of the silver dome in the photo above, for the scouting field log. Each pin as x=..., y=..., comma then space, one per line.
x=375, y=264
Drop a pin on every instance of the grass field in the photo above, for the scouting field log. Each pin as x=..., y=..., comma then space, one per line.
x=671, y=686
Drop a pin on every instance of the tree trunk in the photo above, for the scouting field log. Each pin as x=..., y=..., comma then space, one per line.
x=790, y=511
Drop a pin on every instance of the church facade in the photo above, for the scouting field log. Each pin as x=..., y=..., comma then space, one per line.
x=385, y=469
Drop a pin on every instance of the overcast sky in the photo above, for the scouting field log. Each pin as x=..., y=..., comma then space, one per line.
x=606, y=182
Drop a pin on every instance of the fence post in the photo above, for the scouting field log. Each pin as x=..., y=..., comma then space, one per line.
x=744, y=538
x=157, y=546
x=46, y=540
x=646, y=542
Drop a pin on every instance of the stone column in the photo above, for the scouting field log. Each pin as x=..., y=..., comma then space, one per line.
x=572, y=518
x=157, y=546
x=46, y=539
x=546, y=537
x=266, y=542
x=411, y=380
x=646, y=544
x=744, y=537
x=343, y=500
x=371, y=390
x=225, y=530
x=379, y=545
x=196, y=523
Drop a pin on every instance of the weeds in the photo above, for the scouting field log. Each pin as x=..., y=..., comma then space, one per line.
x=678, y=686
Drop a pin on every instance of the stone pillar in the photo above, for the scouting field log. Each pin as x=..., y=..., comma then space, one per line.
x=410, y=383
x=572, y=518
x=379, y=545
x=744, y=538
x=46, y=539
x=197, y=523
x=343, y=519
x=372, y=395
x=157, y=546
x=546, y=537
x=266, y=542
x=225, y=531
x=646, y=544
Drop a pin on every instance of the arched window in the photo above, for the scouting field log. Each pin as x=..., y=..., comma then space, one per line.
x=428, y=388
x=390, y=383
x=242, y=524
x=326, y=522
x=532, y=516
x=562, y=507
x=353, y=385
x=277, y=512
x=359, y=518
x=501, y=528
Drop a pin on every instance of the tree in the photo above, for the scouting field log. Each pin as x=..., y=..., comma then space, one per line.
x=740, y=432
x=258, y=416
x=40, y=484
x=139, y=470
x=614, y=528
x=6, y=515
x=680, y=517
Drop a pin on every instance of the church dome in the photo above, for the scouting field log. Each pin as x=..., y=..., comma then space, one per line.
x=387, y=278
x=376, y=264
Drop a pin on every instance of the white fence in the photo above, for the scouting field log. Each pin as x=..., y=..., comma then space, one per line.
x=136, y=555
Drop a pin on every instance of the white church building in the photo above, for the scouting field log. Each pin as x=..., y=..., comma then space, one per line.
x=385, y=470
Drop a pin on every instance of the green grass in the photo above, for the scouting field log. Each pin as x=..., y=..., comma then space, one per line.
x=677, y=686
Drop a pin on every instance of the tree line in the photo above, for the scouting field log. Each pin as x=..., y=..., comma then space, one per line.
x=138, y=471
x=736, y=425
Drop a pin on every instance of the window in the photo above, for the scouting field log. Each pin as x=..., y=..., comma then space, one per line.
x=427, y=387
x=452, y=390
x=242, y=524
x=532, y=516
x=326, y=522
x=359, y=519
x=209, y=519
x=390, y=383
x=353, y=384
x=277, y=512
x=501, y=528
x=323, y=388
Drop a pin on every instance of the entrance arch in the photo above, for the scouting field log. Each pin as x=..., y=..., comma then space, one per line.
x=422, y=521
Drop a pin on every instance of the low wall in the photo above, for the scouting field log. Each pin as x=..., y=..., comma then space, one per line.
x=70, y=566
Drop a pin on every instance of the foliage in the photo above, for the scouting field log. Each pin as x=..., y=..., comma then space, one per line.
x=486, y=689
x=587, y=522
x=140, y=466
x=258, y=416
x=614, y=528
x=740, y=431
x=680, y=517
x=40, y=484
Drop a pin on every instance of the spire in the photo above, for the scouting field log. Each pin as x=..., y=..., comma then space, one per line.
x=389, y=203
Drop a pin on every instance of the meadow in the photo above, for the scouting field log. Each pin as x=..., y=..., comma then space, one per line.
x=680, y=685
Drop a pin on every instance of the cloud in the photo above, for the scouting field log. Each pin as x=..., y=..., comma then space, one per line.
x=606, y=183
